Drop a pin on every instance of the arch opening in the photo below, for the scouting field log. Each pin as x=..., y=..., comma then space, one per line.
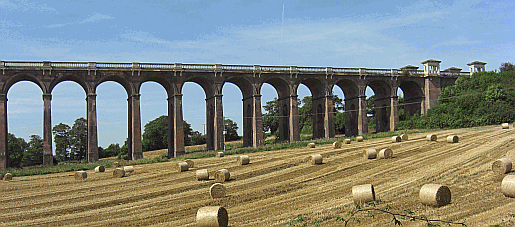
x=154, y=112
x=378, y=106
x=350, y=94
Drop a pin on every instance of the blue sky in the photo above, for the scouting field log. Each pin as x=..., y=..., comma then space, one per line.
x=370, y=34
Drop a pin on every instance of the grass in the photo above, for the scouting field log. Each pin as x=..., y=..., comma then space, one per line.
x=199, y=152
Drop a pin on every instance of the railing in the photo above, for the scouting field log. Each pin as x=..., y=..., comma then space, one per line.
x=211, y=68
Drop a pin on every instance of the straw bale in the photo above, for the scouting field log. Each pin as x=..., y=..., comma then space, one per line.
x=222, y=175
x=396, y=139
x=217, y=190
x=182, y=166
x=119, y=173
x=385, y=153
x=190, y=163
x=337, y=145
x=81, y=175
x=346, y=141
x=202, y=174
x=435, y=195
x=212, y=216
x=311, y=145
x=452, y=139
x=219, y=154
x=510, y=155
x=502, y=166
x=370, y=153
x=128, y=169
x=243, y=160
x=508, y=186
x=359, y=138
x=505, y=126
x=431, y=137
x=8, y=177
x=404, y=137
x=363, y=193
x=315, y=159
x=100, y=169
x=116, y=164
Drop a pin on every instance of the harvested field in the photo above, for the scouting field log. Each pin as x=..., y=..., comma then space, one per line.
x=279, y=185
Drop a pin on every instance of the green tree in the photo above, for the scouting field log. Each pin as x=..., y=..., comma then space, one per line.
x=155, y=134
x=198, y=138
x=306, y=115
x=271, y=116
x=33, y=154
x=111, y=151
x=506, y=66
x=231, y=130
x=79, y=139
x=16, y=148
x=62, y=140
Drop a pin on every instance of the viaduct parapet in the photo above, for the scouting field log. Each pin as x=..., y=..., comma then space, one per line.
x=421, y=90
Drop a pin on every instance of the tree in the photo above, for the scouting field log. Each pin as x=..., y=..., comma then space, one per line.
x=231, y=130
x=506, y=66
x=270, y=118
x=155, y=134
x=33, y=154
x=16, y=148
x=198, y=138
x=306, y=115
x=112, y=150
x=79, y=139
x=62, y=140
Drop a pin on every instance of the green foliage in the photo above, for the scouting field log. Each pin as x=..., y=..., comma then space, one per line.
x=231, y=130
x=33, y=154
x=271, y=117
x=79, y=139
x=306, y=115
x=112, y=150
x=155, y=134
x=197, y=138
x=506, y=66
x=16, y=148
x=62, y=141
x=485, y=98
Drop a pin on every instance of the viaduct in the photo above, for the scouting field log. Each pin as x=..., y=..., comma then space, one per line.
x=421, y=90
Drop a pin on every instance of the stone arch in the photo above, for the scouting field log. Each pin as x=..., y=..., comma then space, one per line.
x=23, y=77
x=318, y=95
x=351, y=92
x=413, y=98
x=282, y=88
x=74, y=78
x=161, y=80
x=382, y=91
x=246, y=90
x=129, y=88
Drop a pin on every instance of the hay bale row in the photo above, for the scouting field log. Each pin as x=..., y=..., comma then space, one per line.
x=222, y=175
x=385, y=153
x=212, y=216
x=100, y=169
x=81, y=175
x=7, y=177
x=431, y=137
x=404, y=137
x=370, y=153
x=337, y=145
x=396, y=139
x=315, y=159
x=220, y=154
x=243, y=160
x=202, y=174
x=435, y=195
x=118, y=173
x=311, y=145
x=182, y=166
x=346, y=141
x=359, y=138
x=505, y=125
x=217, y=190
x=502, y=166
x=452, y=139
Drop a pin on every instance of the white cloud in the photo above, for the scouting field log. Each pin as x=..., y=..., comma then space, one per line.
x=458, y=40
x=23, y=5
x=96, y=17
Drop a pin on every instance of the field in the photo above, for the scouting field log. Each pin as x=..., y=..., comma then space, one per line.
x=280, y=188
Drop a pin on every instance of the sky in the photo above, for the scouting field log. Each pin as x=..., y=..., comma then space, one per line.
x=354, y=34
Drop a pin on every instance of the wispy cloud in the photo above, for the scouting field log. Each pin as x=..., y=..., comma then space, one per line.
x=458, y=40
x=23, y=5
x=96, y=17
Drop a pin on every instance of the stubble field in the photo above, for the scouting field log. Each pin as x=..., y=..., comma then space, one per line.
x=278, y=187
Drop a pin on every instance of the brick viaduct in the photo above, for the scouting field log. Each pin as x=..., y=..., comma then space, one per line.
x=421, y=89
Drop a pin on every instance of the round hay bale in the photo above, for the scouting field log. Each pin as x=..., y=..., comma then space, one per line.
x=431, y=137
x=128, y=169
x=219, y=154
x=501, y=166
x=404, y=137
x=222, y=175
x=81, y=175
x=315, y=159
x=435, y=195
x=119, y=173
x=202, y=174
x=505, y=126
x=510, y=155
x=100, y=169
x=452, y=139
x=217, y=190
x=311, y=145
x=8, y=177
x=212, y=216
x=190, y=163
x=385, y=153
x=396, y=139
x=370, y=153
x=337, y=145
x=116, y=164
x=346, y=141
x=182, y=166
x=243, y=160
x=508, y=186
x=359, y=138
x=363, y=193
